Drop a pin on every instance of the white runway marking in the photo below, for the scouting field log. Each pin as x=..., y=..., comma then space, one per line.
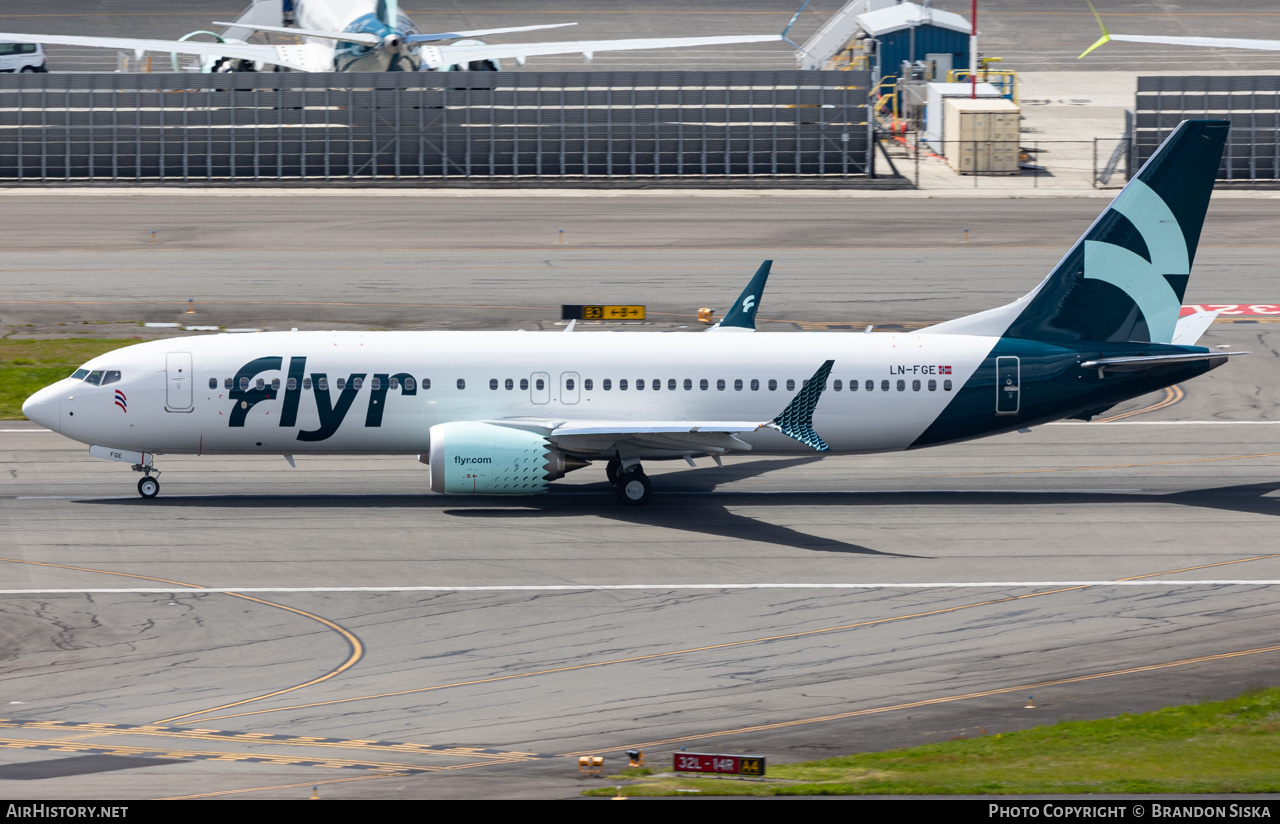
x=641, y=587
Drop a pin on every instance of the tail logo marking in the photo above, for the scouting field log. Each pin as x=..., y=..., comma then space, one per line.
x=1144, y=282
x=748, y=303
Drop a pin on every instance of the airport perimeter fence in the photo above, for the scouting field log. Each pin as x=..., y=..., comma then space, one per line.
x=466, y=127
x=1250, y=103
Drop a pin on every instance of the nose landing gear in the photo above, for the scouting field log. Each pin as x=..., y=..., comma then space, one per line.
x=148, y=487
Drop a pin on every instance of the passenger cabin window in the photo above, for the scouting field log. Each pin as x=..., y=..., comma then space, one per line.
x=606, y=384
x=622, y=384
x=539, y=384
x=915, y=386
x=639, y=384
x=884, y=386
x=946, y=385
x=836, y=383
x=773, y=385
x=586, y=384
x=688, y=384
x=524, y=383
x=720, y=384
x=275, y=384
x=568, y=384
x=462, y=383
x=356, y=383
x=791, y=384
x=341, y=383
x=509, y=384
x=410, y=384
x=226, y=384
x=703, y=384
x=322, y=383
x=306, y=384
x=244, y=384
x=393, y=383
x=493, y=384
x=755, y=384
x=671, y=383
x=737, y=384
x=426, y=384
x=870, y=386
x=375, y=384
x=902, y=385
x=291, y=384
x=213, y=383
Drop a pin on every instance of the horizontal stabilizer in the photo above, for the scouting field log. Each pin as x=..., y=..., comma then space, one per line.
x=1190, y=328
x=1137, y=363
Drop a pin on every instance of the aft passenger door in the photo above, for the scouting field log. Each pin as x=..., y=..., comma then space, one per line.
x=180, y=385
x=1007, y=386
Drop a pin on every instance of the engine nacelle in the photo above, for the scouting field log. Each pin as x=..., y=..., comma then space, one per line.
x=483, y=459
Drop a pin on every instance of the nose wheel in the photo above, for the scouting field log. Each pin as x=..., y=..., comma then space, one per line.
x=148, y=487
x=633, y=488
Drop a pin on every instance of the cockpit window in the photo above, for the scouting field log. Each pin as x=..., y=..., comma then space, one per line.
x=79, y=374
x=110, y=376
x=94, y=378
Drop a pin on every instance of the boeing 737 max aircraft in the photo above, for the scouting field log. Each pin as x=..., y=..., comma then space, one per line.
x=504, y=413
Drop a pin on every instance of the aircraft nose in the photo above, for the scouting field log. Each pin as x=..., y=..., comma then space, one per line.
x=44, y=407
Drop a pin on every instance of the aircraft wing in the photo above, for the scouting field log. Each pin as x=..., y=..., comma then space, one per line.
x=796, y=421
x=1212, y=42
x=287, y=56
x=436, y=56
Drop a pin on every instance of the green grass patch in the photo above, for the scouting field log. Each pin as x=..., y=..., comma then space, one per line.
x=1218, y=747
x=28, y=365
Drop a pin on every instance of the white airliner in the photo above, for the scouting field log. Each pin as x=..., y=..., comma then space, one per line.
x=364, y=35
x=504, y=413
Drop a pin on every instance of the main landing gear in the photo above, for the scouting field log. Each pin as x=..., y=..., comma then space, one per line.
x=148, y=487
x=631, y=485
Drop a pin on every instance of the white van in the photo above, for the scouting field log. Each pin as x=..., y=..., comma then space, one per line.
x=22, y=57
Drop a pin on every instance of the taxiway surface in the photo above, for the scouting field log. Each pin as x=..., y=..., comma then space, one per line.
x=258, y=629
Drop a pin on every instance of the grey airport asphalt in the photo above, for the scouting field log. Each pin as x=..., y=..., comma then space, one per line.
x=377, y=655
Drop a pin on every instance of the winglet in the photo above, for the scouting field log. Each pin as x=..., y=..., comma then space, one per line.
x=743, y=313
x=1106, y=35
x=796, y=421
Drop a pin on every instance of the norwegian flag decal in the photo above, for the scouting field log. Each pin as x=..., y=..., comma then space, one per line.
x=944, y=370
x=122, y=401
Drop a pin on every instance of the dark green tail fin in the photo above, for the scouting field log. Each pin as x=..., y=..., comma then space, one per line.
x=742, y=315
x=1124, y=279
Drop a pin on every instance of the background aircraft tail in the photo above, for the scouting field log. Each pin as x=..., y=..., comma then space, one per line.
x=1125, y=277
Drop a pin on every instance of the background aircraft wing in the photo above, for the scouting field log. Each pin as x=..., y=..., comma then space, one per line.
x=436, y=56
x=1212, y=42
x=276, y=55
